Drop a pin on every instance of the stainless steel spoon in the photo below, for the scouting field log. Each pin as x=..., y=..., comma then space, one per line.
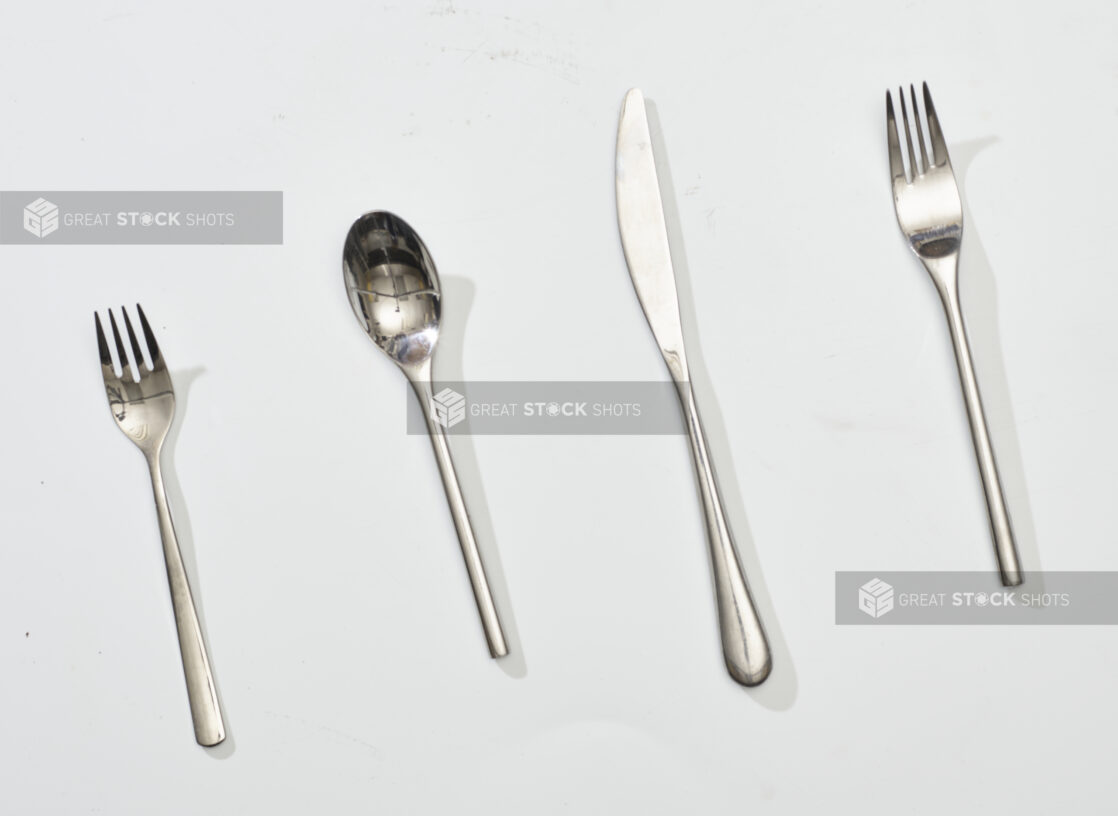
x=394, y=290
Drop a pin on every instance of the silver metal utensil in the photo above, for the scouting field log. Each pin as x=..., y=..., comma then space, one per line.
x=142, y=401
x=393, y=287
x=930, y=214
x=644, y=236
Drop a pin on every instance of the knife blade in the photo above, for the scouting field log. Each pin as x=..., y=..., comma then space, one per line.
x=644, y=234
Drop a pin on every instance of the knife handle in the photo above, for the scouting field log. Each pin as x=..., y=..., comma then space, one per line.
x=744, y=645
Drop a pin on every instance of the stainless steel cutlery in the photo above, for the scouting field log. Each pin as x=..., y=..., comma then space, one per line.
x=394, y=290
x=142, y=401
x=930, y=214
x=644, y=236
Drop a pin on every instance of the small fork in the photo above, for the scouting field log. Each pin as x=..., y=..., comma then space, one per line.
x=930, y=214
x=144, y=406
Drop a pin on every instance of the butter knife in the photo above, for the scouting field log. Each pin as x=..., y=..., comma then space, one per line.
x=644, y=237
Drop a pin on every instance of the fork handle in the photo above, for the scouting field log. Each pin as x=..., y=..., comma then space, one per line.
x=487, y=609
x=209, y=728
x=744, y=645
x=1000, y=528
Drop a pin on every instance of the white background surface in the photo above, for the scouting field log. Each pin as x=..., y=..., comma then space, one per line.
x=344, y=639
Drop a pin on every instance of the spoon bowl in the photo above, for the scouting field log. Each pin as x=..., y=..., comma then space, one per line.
x=393, y=287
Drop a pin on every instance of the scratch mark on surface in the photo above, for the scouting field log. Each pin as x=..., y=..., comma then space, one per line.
x=474, y=53
x=710, y=217
x=325, y=728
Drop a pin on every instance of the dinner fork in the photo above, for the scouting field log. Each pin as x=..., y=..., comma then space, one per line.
x=930, y=214
x=142, y=402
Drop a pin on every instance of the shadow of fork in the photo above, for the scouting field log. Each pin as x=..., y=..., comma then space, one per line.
x=979, y=297
x=182, y=381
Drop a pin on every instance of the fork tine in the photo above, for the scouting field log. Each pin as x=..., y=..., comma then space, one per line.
x=125, y=369
x=919, y=130
x=153, y=347
x=896, y=163
x=939, y=144
x=908, y=137
x=103, y=348
x=136, y=353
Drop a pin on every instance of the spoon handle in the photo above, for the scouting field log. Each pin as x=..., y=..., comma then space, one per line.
x=744, y=645
x=494, y=635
